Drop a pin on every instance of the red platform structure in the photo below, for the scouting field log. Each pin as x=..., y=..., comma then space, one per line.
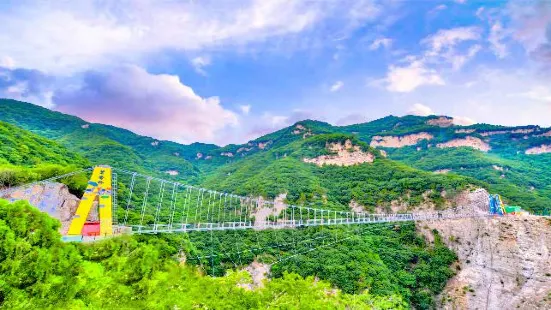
x=91, y=229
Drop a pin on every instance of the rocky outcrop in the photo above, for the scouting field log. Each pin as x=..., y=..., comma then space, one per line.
x=243, y=149
x=227, y=154
x=442, y=121
x=344, y=155
x=264, y=210
x=263, y=145
x=258, y=272
x=469, y=141
x=52, y=198
x=503, y=262
x=542, y=149
x=400, y=141
x=465, y=130
x=172, y=172
x=300, y=129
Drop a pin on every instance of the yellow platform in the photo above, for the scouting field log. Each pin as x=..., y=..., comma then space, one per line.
x=100, y=184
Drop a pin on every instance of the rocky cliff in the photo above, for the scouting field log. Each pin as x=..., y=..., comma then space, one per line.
x=504, y=262
x=52, y=198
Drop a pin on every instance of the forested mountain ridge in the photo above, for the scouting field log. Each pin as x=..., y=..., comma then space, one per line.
x=26, y=157
x=512, y=161
x=311, y=163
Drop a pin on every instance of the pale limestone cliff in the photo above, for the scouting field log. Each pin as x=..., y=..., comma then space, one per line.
x=469, y=141
x=400, y=141
x=342, y=155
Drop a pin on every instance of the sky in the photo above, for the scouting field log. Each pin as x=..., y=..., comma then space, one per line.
x=230, y=71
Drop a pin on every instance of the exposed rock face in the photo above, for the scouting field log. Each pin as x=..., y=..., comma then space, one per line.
x=396, y=141
x=469, y=141
x=442, y=171
x=298, y=129
x=492, y=133
x=227, y=154
x=155, y=143
x=258, y=272
x=263, y=145
x=264, y=210
x=442, y=121
x=85, y=126
x=172, y=172
x=544, y=148
x=356, y=207
x=465, y=130
x=546, y=134
x=346, y=155
x=243, y=149
x=529, y=130
x=503, y=261
x=502, y=132
x=52, y=198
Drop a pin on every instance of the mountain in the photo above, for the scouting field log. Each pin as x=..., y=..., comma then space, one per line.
x=25, y=157
x=512, y=161
x=391, y=164
x=104, y=144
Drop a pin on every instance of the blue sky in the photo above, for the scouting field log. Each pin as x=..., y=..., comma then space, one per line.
x=229, y=71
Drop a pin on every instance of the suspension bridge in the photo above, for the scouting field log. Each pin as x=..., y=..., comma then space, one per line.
x=221, y=228
x=129, y=202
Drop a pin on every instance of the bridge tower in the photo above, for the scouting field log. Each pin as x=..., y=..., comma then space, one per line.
x=100, y=188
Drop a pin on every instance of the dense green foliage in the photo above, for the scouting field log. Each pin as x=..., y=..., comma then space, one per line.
x=26, y=157
x=103, y=144
x=526, y=182
x=373, y=266
x=281, y=170
x=522, y=180
x=22, y=148
x=38, y=271
x=383, y=259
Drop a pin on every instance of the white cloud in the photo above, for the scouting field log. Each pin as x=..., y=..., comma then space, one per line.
x=57, y=37
x=7, y=62
x=537, y=93
x=496, y=37
x=408, y=78
x=245, y=109
x=336, y=86
x=458, y=60
x=156, y=105
x=449, y=38
x=463, y=121
x=479, y=12
x=461, y=1
x=380, y=42
x=420, y=109
x=199, y=63
x=437, y=9
x=26, y=85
